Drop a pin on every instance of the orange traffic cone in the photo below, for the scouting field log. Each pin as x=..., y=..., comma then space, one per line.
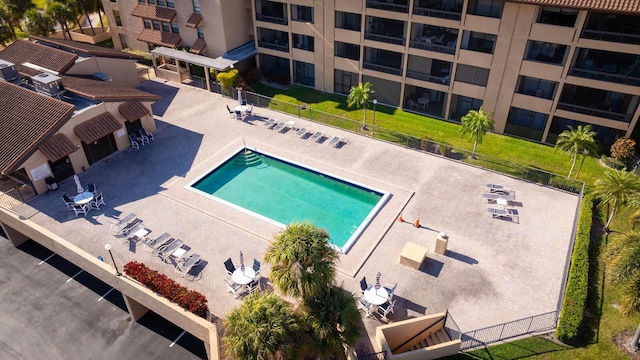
x=417, y=223
x=400, y=219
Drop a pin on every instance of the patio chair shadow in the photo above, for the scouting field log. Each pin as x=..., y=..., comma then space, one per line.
x=461, y=257
x=431, y=267
x=167, y=92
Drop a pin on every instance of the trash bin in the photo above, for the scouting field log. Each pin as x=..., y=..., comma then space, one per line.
x=441, y=243
x=51, y=183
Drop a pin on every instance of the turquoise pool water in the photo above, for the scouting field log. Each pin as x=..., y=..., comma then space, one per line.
x=286, y=193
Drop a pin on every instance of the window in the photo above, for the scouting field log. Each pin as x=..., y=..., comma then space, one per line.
x=343, y=81
x=558, y=16
x=170, y=4
x=546, y=52
x=147, y=23
x=536, y=87
x=480, y=42
x=489, y=8
x=461, y=105
x=161, y=2
x=526, y=123
x=156, y=25
x=302, y=13
x=165, y=27
x=348, y=21
x=304, y=73
x=200, y=33
x=196, y=6
x=142, y=1
x=116, y=14
x=113, y=0
x=303, y=42
x=123, y=41
x=174, y=28
x=151, y=2
x=346, y=50
x=472, y=75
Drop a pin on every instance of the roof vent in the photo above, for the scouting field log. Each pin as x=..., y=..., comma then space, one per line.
x=48, y=84
x=8, y=71
x=102, y=76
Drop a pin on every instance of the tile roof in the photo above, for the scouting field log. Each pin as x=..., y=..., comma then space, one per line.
x=617, y=6
x=97, y=127
x=57, y=147
x=198, y=47
x=133, y=110
x=158, y=37
x=89, y=49
x=154, y=12
x=21, y=51
x=194, y=20
x=27, y=119
x=104, y=90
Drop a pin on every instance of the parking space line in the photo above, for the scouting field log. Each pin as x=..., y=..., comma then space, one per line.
x=178, y=338
x=105, y=295
x=79, y=272
x=45, y=260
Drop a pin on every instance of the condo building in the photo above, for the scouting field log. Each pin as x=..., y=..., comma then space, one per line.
x=538, y=65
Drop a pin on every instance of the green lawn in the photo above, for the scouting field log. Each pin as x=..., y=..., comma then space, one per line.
x=604, y=320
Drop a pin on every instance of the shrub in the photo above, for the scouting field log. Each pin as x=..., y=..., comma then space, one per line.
x=623, y=148
x=229, y=79
x=613, y=163
x=189, y=300
x=251, y=76
x=566, y=184
x=575, y=297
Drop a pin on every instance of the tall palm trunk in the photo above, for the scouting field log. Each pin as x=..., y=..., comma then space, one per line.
x=636, y=338
x=100, y=14
x=613, y=211
x=364, y=119
x=93, y=32
x=580, y=167
x=475, y=146
x=573, y=163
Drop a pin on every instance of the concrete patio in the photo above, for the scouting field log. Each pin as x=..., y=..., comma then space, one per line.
x=494, y=271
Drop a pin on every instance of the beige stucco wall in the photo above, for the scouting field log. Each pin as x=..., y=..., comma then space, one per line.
x=122, y=71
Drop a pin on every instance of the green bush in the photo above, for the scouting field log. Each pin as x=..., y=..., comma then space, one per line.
x=612, y=163
x=561, y=182
x=229, y=79
x=575, y=297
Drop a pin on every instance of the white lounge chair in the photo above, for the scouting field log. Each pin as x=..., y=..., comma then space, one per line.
x=185, y=266
x=120, y=224
x=269, y=123
x=501, y=212
x=335, y=141
x=301, y=132
x=496, y=196
x=153, y=245
x=317, y=136
x=279, y=127
x=165, y=251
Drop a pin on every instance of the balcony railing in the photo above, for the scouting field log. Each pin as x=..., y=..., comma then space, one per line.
x=274, y=46
x=428, y=77
x=384, y=38
x=449, y=15
x=388, y=6
x=432, y=47
x=602, y=76
x=272, y=19
x=382, y=68
x=610, y=36
x=594, y=112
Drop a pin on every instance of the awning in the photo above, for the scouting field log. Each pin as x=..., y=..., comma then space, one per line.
x=57, y=147
x=154, y=12
x=220, y=63
x=97, y=127
x=133, y=110
x=198, y=47
x=158, y=37
x=194, y=20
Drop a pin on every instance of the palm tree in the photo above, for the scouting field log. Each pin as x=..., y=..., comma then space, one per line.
x=476, y=123
x=331, y=318
x=263, y=327
x=359, y=96
x=14, y=11
x=616, y=188
x=624, y=269
x=62, y=13
x=38, y=23
x=577, y=141
x=302, y=261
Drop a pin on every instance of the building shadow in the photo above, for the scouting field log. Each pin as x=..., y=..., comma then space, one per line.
x=167, y=92
x=431, y=266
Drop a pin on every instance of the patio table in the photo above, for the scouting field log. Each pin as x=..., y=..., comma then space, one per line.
x=243, y=277
x=83, y=198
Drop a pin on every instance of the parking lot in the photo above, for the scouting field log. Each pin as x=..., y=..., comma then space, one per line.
x=50, y=309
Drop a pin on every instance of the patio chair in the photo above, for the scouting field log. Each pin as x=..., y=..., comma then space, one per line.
x=153, y=245
x=144, y=132
x=134, y=141
x=80, y=209
x=256, y=266
x=364, y=305
x=317, y=136
x=301, y=132
x=233, y=288
x=185, y=266
x=96, y=202
x=249, y=112
x=228, y=264
x=385, y=309
x=68, y=202
x=269, y=123
x=501, y=212
x=279, y=127
x=132, y=234
x=363, y=284
x=232, y=114
x=390, y=289
x=238, y=115
x=119, y=223
x=91, y=187
x=335, y=141
x=167, y=250
x=253, y=286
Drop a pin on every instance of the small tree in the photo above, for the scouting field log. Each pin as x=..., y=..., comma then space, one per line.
x=578, y=141
x=228, y=79
x=359, y=96
x=61, y=13
x=616, y=189
x=38, y=23
x=6, y=34
x=476, y=123
x=624, y=150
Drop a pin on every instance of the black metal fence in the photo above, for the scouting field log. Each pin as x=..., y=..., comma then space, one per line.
x=526, y=326
x=451, y=328
x=13, y=197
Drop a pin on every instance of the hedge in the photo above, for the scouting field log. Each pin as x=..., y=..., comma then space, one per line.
x=189, y=300
x=575, y=297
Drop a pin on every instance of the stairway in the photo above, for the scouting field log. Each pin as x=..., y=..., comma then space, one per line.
x=436, y=338
x=248, y=158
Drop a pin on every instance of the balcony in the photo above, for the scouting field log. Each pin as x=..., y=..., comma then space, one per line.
x=382, y=68
x=599, y=103
x=594, y=112
x=273, y=39
x=385, y=30
x=614, y=67
x=384, y=38
x=272, y=12
x=486, y=8
x=426, y=69
x=443, y=9
x=400, y=6
x=610, y=37
x=603, y=76
x=612, y=27
x=433, y=38
x=428, y=77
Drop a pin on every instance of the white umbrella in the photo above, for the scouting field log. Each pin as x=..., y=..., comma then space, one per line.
x=240, y=97
x=77, y=180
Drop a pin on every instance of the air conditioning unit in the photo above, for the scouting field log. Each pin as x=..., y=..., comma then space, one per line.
x=8, y=71
x=48, y=84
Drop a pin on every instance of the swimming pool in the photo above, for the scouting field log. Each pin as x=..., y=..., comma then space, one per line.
x=282, y=192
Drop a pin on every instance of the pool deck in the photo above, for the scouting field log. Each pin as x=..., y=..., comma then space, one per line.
x=494, y=271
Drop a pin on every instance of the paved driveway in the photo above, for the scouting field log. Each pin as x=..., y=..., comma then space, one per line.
x=495, y=270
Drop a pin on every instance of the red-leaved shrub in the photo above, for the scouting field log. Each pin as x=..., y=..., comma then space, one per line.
x=190, y=300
